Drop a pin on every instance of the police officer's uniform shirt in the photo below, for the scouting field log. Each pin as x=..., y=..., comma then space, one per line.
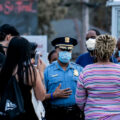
x=54, y=75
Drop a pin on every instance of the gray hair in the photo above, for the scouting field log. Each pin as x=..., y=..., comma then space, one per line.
x=105, y=46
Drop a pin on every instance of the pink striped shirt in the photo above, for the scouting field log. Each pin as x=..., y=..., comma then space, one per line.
x=98, y=91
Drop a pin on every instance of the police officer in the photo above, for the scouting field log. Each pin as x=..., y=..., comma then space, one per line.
x=60, y=80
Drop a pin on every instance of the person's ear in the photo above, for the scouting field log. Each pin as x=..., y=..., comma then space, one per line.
x=8, y=37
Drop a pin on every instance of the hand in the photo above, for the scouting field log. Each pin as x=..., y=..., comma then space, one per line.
x=32, y=61
x=41, y=65
x=65, y=93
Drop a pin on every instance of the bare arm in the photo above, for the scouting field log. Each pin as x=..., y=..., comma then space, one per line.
x=41, y=67
x=39, y=88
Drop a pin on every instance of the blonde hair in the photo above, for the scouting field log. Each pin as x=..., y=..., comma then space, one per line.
x=105, y=46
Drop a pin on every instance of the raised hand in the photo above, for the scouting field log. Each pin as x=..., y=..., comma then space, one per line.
x=62, y=93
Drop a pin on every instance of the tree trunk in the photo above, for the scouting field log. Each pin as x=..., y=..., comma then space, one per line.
x=85, y=24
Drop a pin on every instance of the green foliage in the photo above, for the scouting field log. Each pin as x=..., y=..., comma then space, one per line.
x=49, y=10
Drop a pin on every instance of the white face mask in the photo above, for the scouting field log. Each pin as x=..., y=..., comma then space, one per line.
x=90, y=43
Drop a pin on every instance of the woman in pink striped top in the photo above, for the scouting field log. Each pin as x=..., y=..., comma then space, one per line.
x=98, y=88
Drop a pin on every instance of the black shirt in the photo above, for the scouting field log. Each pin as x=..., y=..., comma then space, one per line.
x=2, y=59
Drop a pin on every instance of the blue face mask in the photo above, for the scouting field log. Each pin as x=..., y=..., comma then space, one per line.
x=64, y=56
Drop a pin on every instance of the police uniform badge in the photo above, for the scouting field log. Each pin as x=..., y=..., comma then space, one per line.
x=76, y=73
x=67, y=39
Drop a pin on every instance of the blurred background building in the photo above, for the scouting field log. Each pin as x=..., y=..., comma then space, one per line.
x=75, y=18
x=56, y=18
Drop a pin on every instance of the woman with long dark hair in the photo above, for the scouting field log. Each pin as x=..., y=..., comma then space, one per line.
x=18, y=64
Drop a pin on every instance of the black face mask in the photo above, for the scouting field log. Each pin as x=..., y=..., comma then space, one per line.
x=2, y=49
x=3, y=46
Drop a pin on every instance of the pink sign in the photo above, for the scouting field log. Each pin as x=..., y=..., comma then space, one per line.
x=17, y=6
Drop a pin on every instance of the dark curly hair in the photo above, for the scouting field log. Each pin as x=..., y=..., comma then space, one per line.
x=6, y=29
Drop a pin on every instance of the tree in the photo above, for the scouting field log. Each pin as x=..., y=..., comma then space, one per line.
x=101, y=15
x=49, y=10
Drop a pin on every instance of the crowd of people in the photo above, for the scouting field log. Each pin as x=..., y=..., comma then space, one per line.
x=86, y=90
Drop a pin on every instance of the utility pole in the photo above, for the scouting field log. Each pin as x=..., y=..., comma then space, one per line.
x=85, y=25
